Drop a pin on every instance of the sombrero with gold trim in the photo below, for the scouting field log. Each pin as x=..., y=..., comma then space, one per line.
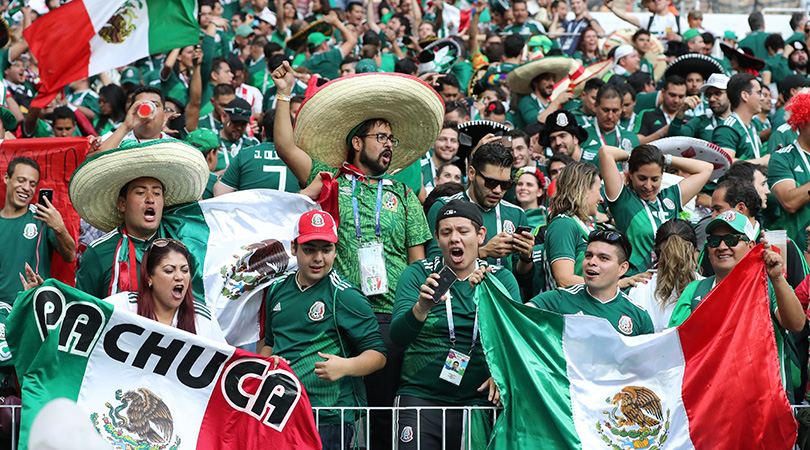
x=414, y=110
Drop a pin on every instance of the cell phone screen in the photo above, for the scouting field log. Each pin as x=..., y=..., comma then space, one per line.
x=446, y=280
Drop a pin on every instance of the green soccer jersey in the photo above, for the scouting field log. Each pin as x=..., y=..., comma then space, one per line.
x=639, y=220
x=87, y=98
x=259, y=167
x=209, y=186
x=96, y=270
x=230, y=150
x=566, y=238
x=743, y=140
x=325, y=64
x=427, y=343
x=27, y=240
x=645, y=101
x=624, y=315
x=210, y=123
x=526, y=30
x=781, y=137
x=332, y=317
x=624, y=139
x=790, y=165
x=428, y=169
x=504, y=217
x=701, y=127
x=756, y=42
x=402, y=225
x=529, y=107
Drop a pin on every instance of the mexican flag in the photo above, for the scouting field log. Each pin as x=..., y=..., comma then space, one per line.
x=240, y=243
x=572, y=382
x=85, y=37
x=143, y=384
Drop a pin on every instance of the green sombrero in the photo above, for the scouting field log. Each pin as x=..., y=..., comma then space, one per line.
x=95, y=185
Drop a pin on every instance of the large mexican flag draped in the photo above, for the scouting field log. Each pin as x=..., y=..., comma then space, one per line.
x=240, y=243
x=147, y=385
x=572, y=382
x=85, y=37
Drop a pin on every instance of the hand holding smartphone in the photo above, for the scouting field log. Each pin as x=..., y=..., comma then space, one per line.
x=43, y=194
x=446, y=280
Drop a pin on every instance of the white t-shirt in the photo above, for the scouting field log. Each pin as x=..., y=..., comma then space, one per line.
x=204, y=321
x=661, y=24
x=643, y=295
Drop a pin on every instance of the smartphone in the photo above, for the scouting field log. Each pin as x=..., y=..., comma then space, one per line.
x=446, y=280
x=506, y=141
x=43, y=194
x=522, y=229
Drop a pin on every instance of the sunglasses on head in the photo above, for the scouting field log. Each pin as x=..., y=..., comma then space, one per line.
x=492, y=183
x=731, y=240
x=162, y=242
x=612, y=237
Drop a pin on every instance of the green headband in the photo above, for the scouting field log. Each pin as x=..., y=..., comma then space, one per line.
x=354, y=131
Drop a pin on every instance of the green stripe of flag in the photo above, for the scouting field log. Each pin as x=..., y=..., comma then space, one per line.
x=523, y=347
x=172, y=24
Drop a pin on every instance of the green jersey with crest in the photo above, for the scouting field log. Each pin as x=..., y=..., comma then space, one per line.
x=791, y=165
x=566, y=238
x=625, y=140
x=503, y=217
x=27, y=240
x=625, y=316
x=639, y=220
x=428, y=343
x=333, y=317
x=96, y=270
x=230, y=150
x=743, y=140
x=402, y=225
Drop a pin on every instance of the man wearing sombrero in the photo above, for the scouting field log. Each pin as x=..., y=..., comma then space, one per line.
x=536, y=79
x=123, y=192
x=354, y=132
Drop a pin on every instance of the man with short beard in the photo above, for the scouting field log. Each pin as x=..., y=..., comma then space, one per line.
x=797, y=61
x=702, y=126
x=737, y=134
x=654, y=124
x=563, y=135
x=444, y=151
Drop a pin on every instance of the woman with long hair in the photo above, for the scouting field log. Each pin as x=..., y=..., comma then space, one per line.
x=572, y=210
x=530, y=192
x=113, y=103
x=165, y=291
x=675, y=267
x=638, y=204
x=587, y=51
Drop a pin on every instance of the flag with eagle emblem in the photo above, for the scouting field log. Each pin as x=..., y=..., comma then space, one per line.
x=146, y=385
x=573, y=382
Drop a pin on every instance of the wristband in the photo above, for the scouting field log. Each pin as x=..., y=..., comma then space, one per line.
x=526, y=260
x=668, y=160
x=283, y=98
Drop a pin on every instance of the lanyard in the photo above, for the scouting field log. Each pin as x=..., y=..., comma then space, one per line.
x=755, y=143
x=498, y=226
x=650, y=215
x=582, y=226
x=604, y=141
x=377, y=229
x=632, y=122
x=228, y=152
x=451, y=327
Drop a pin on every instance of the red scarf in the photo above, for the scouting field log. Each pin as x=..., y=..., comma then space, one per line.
x=329, y=194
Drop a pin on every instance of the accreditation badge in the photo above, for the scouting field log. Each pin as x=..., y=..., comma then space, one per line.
x=373, y=276
x=454, y=367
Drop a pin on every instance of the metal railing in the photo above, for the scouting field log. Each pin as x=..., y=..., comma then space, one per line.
x=362, y=435
x=15, y=427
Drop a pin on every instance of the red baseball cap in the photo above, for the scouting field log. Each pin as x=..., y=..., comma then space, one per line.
x=315, y=225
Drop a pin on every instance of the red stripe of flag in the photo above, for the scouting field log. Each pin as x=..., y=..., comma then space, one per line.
x=732, y=388
x=60, y=41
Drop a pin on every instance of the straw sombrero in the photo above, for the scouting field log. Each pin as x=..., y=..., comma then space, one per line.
x=414, y=110
x=580, y=75
x=694, y=62
x=520, y=78
x=699, y=149
x=745, y=60
x=95, y=185
x=300, y=38
x=439, y=57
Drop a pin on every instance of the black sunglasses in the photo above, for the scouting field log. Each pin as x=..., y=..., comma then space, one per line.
x=492, y=183
x=613, y=238
x=731, y=240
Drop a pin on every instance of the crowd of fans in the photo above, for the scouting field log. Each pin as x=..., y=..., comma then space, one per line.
x=557, y=170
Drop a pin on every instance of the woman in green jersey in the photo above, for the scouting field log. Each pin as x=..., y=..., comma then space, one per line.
x=530, y=192
x=113, y=104
x=638, y=204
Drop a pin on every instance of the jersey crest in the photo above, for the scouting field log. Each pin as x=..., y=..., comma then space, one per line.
x=669, y=204
x=626, y=324
x=317, y=311
x=407, y=434
x=509, y=227
x=389, y=201
x=30, y=231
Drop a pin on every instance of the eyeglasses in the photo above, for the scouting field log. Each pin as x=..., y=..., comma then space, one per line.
x=612, y=237
x=382, y=138
x=162, y=242
x=492, y=183
x=731, y=240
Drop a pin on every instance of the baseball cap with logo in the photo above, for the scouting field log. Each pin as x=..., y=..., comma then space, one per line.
x=203, y=139
x=131, y=75
x=460, y=208
x=737, y=221
x=716, y=80
x=315, y=225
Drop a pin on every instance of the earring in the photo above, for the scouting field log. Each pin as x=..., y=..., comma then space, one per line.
x=150, y=285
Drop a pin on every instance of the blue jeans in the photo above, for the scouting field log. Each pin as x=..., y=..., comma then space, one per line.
x=330, y=436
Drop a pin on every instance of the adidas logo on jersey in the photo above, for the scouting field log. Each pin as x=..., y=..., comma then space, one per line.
x=277, y=307
x=798, y=169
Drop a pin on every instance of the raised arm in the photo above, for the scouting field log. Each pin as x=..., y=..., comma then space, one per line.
x=629, y=18
x=195, y=93
x=349, y=36
x=299, y=162
x=371, y=21
x=610, y=173
x=699, y=173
